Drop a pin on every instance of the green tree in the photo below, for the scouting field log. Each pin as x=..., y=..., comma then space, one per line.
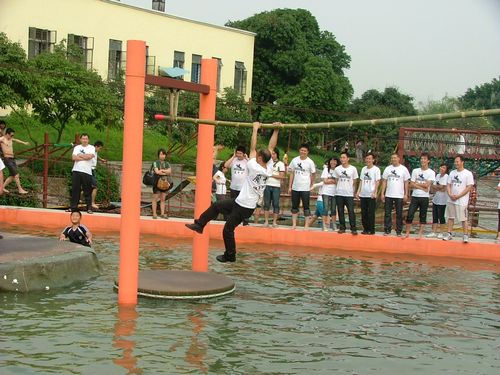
x=484, y=96
x=14, y=76
x=292, y=55
x=65, y=89
x=376, y=104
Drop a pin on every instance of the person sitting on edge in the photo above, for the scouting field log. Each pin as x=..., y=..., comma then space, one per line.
x=346, y=177
x=76, y=232
x=98, y=145
x=9, y=160
x=460, y=183
x=421, y=181
x=367, y=193
x=301, y=181
x=394, y=192
x=439, y=187
x=260, y=168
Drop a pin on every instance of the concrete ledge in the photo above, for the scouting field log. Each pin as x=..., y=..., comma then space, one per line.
x=315, y=239
x=30, y=263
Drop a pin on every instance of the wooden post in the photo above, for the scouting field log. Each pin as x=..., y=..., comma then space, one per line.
x=132, y=170
x=204, y=161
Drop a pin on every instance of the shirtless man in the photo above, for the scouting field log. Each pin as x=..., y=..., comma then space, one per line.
x=9, y=161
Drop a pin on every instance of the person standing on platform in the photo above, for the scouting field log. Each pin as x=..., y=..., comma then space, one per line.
x=9, y=160
x=328, y=192
x=220, y=183
x=302, y=170
x=238, y=165
x=260, y=168
x=346, y=177
x=98, y=145
x=82, y=173
x=367, y=193
x=394, y=193
x=460, y=183
x=273, y=189
x=439, y=187
x=319, y=205
x=421, y=180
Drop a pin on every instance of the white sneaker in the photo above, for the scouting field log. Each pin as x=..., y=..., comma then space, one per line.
x=431, y=235
x=447, y=237
x=440, y=236
x=466, y=238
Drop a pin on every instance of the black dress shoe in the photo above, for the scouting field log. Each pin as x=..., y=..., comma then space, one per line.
x=354, y=232
x=1, y=236
x=195, y=227
x=341, y=231
x=365, y=232
x=224, y=258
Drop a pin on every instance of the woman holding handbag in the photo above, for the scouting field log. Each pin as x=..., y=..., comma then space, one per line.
x=162, y=182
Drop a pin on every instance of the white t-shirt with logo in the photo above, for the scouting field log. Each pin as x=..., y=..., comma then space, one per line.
x=345, y=180
x=84, y=166
x=328, y=189
x=369, y=178
x=254, y=184
x=441, y=197
x=220, y=183
x=302, y=170
x=396, y=178
x=278, y=166
x=238, y=173
x=459, y=181
x=419, y=176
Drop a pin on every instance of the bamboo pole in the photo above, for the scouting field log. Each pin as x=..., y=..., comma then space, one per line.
x=342, y=124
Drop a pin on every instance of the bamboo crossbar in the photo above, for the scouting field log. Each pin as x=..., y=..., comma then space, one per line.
x=340, y=124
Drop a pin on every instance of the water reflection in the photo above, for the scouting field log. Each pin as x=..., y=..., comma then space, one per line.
x=197, y=351
x=124, y=331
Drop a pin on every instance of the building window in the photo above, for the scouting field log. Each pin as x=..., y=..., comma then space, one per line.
x=178, y=59
x=150, y=63
x=240, y=78
x=219, y=71
x=86, y=46
x=196, y=69
x=40, y=40
x=115, y=59
x=159, y=5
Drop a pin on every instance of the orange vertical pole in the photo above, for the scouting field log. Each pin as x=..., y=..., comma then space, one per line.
x=204, y=161
x=132, y=170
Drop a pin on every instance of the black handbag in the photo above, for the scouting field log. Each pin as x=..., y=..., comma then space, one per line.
x=149, y=177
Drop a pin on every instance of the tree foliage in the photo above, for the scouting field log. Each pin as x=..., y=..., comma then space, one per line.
x=298, y=72
x=484, y=96
x=65, y=89
x=14, y=78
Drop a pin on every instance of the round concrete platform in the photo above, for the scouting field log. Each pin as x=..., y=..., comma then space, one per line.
x=169, y=284
x=29, y=263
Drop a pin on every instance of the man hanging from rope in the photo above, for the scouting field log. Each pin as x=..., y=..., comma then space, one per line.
x=260, y=167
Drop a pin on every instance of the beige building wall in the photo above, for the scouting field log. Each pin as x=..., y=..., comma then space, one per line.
x=104, y=20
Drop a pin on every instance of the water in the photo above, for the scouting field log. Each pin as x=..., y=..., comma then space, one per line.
x=292, y=313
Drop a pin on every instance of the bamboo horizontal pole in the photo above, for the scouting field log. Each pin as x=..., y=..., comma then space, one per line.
x=342, y=124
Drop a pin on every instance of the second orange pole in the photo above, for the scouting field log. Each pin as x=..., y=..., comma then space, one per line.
x=204, y=161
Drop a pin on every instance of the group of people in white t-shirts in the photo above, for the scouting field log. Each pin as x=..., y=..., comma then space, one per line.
x=341, y=185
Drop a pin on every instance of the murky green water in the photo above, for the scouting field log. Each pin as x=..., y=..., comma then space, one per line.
x=290, y=314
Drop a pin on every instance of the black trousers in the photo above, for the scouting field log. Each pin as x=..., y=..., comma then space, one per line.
x=368, y=206
x=349, y=203
x=422, y=203
x=389, y=203
x=305, y=197
x=81, y=181
x=235, y=215
x=234, y=194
